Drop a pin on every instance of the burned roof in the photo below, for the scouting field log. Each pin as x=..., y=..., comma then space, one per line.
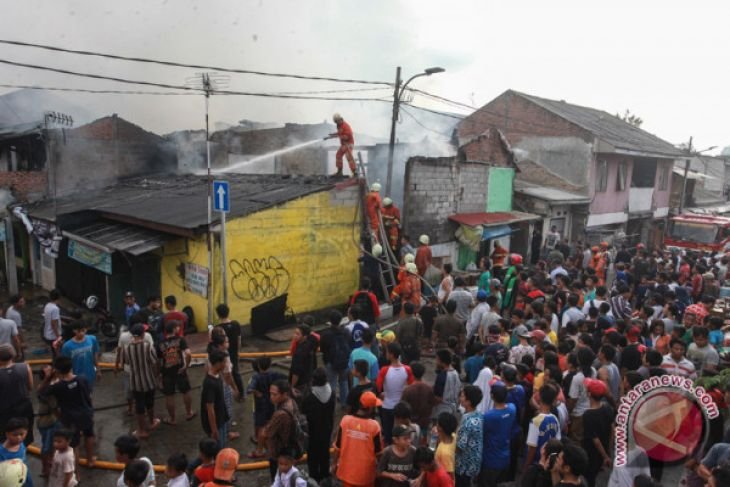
x=609, y=128
x=178, y=204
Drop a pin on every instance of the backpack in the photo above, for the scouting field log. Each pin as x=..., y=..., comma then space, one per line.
x=362, y=301
x=340, y=354
x=301, y=475
x=299, y=439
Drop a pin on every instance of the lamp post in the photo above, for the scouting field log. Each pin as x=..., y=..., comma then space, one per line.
x=397, y=95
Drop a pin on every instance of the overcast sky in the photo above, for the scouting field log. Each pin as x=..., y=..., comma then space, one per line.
x=665, y=61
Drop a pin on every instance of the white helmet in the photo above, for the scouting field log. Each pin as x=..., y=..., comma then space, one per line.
x=336, y=117
x=13, y=473
x=387, y=201
x=424, y=239
x=91, y=302
x=411, y=267
x=377, y=250
x=375, y=187
x=409, y=258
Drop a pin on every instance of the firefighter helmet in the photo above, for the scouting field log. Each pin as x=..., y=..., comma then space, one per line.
x=424, y=239
x=515, y=259
x=375, y=187
x=377, y=250
x=336, y=117
x=411, y=267
x=13, y=473
x=387, y=201
x=409, y=258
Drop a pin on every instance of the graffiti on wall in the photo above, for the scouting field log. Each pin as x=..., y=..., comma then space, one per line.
x=258, y=279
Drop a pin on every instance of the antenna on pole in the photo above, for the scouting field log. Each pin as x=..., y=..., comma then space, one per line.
x=208, y=83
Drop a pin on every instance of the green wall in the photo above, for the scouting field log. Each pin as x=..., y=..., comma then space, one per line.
x=499, y=195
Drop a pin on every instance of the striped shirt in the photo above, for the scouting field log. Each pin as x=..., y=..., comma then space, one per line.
x=141, y=359
x=683, y=368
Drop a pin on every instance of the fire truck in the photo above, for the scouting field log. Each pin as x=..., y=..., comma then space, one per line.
x=698, y=232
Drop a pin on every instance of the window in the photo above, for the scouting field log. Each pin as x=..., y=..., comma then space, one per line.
x=621, y=176
x=644, y=173
x=602, y=176
x=664, y=177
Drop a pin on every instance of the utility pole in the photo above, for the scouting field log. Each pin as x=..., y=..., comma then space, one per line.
x=686, y=173
x=394, y=120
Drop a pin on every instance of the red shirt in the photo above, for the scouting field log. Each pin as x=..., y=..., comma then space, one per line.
x=439, y=478
x=344, y=132
x=204, y=473
x=177, y=316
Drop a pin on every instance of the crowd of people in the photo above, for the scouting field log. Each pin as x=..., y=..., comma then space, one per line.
x=529, y=366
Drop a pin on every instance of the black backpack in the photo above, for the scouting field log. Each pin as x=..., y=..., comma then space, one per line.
x=362, y=301
x=340, y=354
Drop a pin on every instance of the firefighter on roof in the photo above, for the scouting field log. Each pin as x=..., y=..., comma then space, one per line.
x=347, y=143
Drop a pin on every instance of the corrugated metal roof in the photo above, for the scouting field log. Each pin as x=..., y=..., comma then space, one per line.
x=553, y=195
x=113, y=236
x=181, y=201
x=492, y=219
x=609, y=128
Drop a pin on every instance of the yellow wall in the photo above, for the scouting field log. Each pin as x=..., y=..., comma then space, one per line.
x=304, y=247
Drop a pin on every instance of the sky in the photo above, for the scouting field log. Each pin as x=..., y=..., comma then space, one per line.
x=665, y=61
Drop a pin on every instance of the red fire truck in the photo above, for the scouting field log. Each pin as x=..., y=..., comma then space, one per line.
x=699, y=232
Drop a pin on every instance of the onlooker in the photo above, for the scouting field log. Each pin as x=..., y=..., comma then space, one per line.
x=448, y=384
x=287, y=475
x=175, y=358
x=570, y=464
x=335, y=347
x=544, y=426
x=9, y=334
x=446, y=449
x=409, y=332
x=143, y=371
x=125, y=338
x=130, y=307
x=319, y=408
x=675, y=363
x=13, y=446
x=52, y=320
x=302, y=361
x=173, y=314
x=392, y=380
x=358, y=444
x=702, y=355
x=175, y=468
x=367, y=302
x=233, y=332
x=395, y=466
x=213, y=413
x=420, y=397
x=226, y=463
x=279, y=430
x=260, y=384
x=63, y=462
x=16, y=383
x=469, y=438
x=360, y=374
x=207, y=451
x=597, y=426
x=498, y=426
x=432, y=474
x=364, y=353
x=448, y=325
x=126, y=449
x=83, y=350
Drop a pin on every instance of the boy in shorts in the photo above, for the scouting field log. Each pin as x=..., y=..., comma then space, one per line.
x=175, y=359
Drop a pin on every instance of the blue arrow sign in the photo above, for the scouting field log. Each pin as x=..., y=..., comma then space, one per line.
x=221, y=198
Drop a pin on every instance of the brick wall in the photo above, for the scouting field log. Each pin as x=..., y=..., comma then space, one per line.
x=488, y=147
x=25, y=185
x=436, y=188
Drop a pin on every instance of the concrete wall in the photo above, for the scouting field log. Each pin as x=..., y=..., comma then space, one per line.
x=304, y=247
x=439, y=187
x=567, y=157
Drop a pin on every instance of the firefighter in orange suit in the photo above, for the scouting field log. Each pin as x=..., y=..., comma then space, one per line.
x=409, y=288
x=423, y=255
x=374, y=206
x=391, y=222
x=347, y=143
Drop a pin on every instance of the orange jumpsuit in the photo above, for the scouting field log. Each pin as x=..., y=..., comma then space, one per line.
x=423, y=259
x=373, y=206
x=391, y=221
x=598, y=264
x=409, y=290
x=347, y=143
x=498, y=256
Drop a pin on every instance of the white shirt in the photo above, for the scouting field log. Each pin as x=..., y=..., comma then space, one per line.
x=284, y=480
x=572, y=314
x=476, y=317
x=556, y=272
x=148, y=482
x=394, y=382
x=684, y=367
x=596, y=304
x=51, y=312
x=483, y=382
x=14, y=314
x=579, y=393
x=8, y=330
x=179, y=481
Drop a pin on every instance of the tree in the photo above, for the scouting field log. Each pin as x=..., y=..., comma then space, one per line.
x=631, y=119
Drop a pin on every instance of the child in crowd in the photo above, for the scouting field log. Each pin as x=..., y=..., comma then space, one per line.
x=717, y=336
x=544, y=426
x=402, y=414
x=432, y=473
x=395, y=466
x=207, y=451
x=263, y=407
x=136, y=473
x=46, y=422
x=126, y=449
x=13, y=447
x=446, y=424
x=287, y=474
x=175, y=470
x=63, y=463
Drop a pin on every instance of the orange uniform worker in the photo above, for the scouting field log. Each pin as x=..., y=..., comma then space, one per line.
x=423, y=255
x=598, y=264
x=391, y=222
x=347, y=143
x=409, y=288
x=373, y=207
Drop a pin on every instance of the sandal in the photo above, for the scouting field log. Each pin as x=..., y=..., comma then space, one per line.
x=255, y=456
x=155, y=424
x=190, y=416
x=169, y=422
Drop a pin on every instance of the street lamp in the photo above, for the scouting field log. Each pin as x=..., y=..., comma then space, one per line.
x=397, y=95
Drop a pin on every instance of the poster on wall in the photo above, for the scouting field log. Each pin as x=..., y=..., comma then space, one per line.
x=196, y=279
x=90, y=256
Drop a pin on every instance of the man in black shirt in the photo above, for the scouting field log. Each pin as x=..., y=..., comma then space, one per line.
x=361, y=370
x=571, y=463
x=233, y=332
x=213, y=412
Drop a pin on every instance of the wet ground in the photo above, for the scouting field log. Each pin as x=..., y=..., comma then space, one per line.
x=111, y=419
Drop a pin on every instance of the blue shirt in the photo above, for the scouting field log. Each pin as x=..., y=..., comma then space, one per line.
x=362, y=353
x=82, y=356
x=543, y=427
x=469, y=445
x=129, y=311
x=497, y=432
x=716, y=338
x=6, y=454
x=516, y=395
x=472, y=366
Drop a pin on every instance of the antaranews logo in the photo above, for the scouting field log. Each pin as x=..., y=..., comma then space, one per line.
x=666, y=417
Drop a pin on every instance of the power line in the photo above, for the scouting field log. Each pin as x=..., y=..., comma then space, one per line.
x=441, y=98
x=413, y=117
x=179, y=87
x=85, y=90
x=185, y=65
x=443, y=114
